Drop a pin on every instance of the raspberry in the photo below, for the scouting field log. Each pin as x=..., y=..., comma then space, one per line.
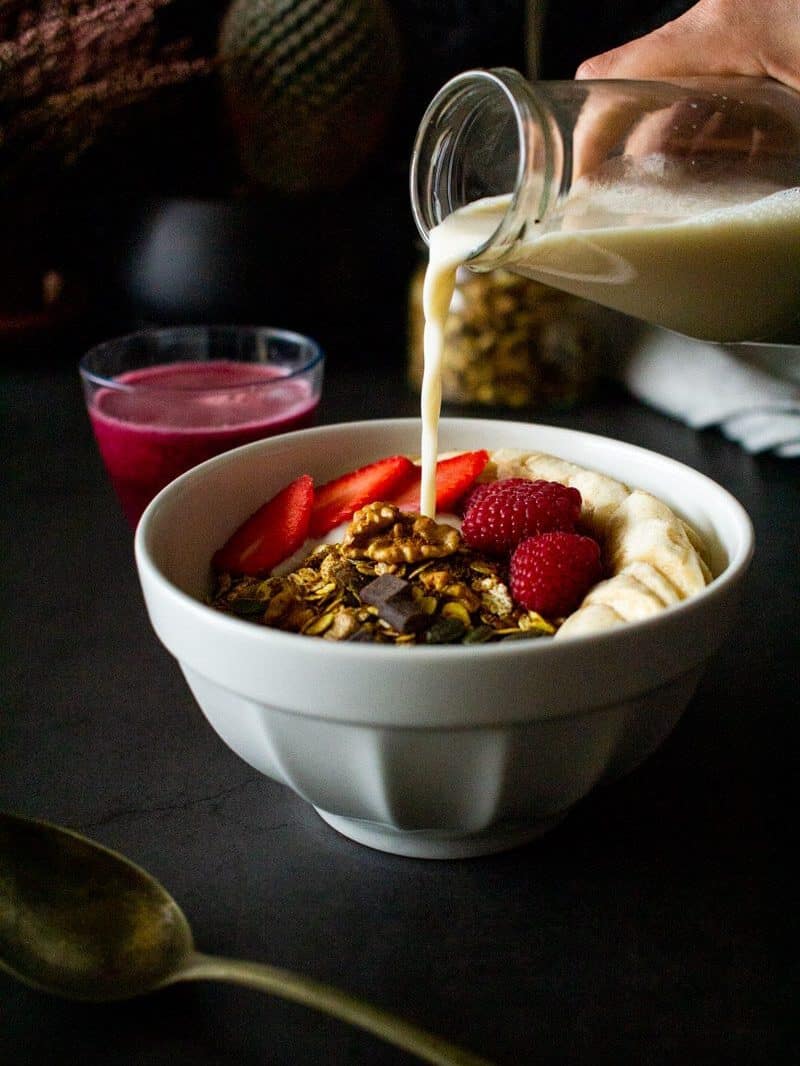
x=552, y=572
x=502, y=513
x=477, y=492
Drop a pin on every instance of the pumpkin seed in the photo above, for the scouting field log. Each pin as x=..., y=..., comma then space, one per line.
x=445, y=631
x=319, y=625
x=457, y=611
x=479, y=635
x=247, y=607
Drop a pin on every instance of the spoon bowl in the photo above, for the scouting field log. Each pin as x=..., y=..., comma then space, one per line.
x=80, y=921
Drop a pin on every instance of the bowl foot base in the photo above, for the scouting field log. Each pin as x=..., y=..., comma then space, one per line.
x=439, y=844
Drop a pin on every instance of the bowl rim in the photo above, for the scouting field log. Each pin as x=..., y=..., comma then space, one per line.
x=737, y=564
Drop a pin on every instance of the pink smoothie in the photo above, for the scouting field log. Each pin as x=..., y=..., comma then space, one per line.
x=180, y=414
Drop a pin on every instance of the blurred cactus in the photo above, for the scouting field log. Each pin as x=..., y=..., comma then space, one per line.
x=74, y=75
x=310, y=85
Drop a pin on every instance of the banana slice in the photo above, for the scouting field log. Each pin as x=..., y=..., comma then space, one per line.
x=643, y=529
x=655, y=558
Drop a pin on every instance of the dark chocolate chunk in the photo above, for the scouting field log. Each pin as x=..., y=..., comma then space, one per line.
x=403, y=615
x=390, y=595
x=385, y=588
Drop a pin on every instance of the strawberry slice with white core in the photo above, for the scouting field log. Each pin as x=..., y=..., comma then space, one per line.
x=338, y=500
x=454, y=477
x=272, y=533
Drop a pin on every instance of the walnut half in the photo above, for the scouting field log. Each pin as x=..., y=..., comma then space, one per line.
x=383, y=533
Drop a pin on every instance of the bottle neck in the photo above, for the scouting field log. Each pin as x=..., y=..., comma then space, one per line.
x=489, y=133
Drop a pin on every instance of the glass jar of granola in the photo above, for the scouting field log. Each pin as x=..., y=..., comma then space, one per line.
x=511, y=342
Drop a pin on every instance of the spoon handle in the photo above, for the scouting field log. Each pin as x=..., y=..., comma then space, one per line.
x=310, y=993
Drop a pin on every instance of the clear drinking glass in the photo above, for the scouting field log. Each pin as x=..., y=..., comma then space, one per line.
x=163, y=400
x=673, y=201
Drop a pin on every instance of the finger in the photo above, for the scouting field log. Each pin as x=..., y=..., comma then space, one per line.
x=601, y=131
x=696, y=43
x=610, y=119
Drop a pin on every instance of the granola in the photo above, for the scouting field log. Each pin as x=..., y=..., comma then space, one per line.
x=394, y=578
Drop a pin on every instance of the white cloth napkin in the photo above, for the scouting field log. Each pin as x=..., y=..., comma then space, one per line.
x=750, y=392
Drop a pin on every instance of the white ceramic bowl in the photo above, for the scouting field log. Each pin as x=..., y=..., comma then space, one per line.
x=437, y=752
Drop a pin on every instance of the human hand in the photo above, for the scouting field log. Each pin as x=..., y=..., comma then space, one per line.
x=750, y=38
x=759, y=38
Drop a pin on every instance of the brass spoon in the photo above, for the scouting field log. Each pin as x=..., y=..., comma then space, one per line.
x=80, y=921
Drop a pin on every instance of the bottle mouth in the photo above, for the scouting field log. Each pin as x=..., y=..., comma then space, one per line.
x=483, y=135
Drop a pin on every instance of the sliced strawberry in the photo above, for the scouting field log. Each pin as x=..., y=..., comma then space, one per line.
x=272, y=533
x=454, y=476
x=338, y=500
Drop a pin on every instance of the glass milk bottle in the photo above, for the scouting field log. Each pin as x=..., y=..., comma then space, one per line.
x=676, y=202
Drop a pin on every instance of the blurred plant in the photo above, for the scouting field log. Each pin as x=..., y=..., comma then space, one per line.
x=311, y=86
x=77, y=76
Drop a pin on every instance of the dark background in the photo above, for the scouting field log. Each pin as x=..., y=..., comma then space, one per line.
x=142, y=207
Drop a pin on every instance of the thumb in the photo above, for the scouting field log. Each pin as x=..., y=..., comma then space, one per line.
x=696, y=43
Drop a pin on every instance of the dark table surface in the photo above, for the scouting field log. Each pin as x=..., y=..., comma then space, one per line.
x=655, y=925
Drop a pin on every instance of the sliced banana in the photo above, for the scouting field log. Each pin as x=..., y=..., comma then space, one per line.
x=654, y=557
x=643, y=529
